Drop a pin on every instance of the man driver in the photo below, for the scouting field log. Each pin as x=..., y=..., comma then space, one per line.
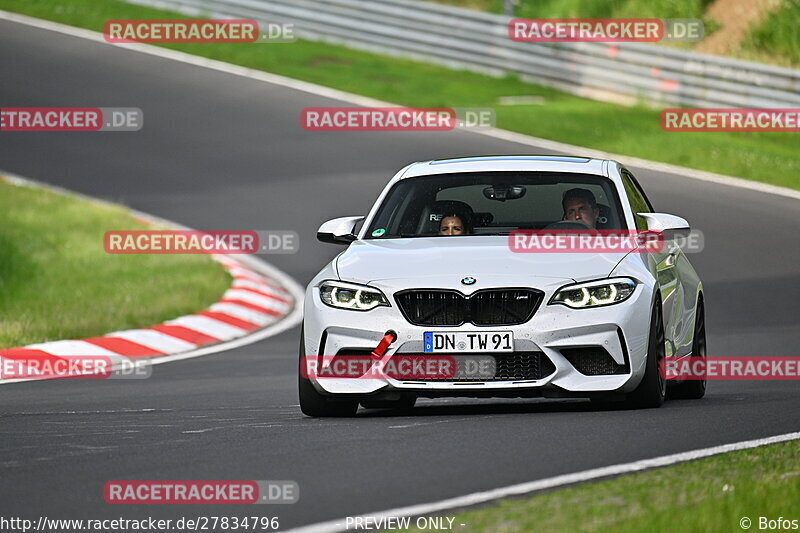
x=579, y=204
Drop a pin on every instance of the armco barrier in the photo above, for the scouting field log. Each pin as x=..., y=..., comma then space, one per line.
x=462, y=38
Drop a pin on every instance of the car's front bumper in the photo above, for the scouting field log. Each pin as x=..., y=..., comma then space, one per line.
x=621, y=329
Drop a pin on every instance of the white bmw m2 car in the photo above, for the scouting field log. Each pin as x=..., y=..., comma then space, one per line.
x=433, y=297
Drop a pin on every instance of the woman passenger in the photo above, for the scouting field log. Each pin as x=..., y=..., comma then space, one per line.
x=453, y=224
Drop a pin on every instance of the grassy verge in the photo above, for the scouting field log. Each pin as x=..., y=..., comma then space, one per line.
x=776, y=39
x=707, y=496
x=57, y=282
x=634, y=131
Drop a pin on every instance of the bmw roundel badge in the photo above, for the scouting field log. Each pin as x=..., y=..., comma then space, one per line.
x=469, y=280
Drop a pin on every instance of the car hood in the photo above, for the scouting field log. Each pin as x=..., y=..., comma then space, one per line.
x=487, y=258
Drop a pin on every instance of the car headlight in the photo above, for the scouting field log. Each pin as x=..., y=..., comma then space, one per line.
x=595, y=293
x=351, y=296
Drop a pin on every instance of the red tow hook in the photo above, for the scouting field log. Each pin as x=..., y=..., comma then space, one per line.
x=380, y=349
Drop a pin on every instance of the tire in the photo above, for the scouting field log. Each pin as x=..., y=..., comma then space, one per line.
x=652, y=390
x=314, y=404
x=404, y=403
x=696, y=388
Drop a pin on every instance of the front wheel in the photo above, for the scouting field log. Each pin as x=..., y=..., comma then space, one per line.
x=312, y=403
x=652, y=390
x=694, y=389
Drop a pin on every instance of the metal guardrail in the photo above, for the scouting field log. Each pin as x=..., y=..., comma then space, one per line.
x=472, y=40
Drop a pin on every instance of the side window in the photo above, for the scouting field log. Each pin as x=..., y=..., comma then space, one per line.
x=639, y=202
x=358, y=226
x=641, y=192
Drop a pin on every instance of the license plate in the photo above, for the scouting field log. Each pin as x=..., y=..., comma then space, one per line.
x=467, y=341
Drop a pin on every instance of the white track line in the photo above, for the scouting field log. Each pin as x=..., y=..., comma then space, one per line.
x=256, y=299
x=550, y=483
x=244, y=313
x=261, y=287
x=67, y=348
x=154, y=339
x=355, y=99
x=209, y=326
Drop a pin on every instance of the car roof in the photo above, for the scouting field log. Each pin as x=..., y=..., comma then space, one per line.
x=541, y=163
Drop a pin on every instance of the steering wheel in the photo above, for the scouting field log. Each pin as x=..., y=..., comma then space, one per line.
x=569, y=224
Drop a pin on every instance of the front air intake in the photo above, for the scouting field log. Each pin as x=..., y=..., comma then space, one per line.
x=593, y=361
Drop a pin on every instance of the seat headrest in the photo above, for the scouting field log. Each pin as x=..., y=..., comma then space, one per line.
x=432, y=215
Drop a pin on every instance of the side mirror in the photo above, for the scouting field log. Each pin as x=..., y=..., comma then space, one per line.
x=670, y=226
x=339, y=230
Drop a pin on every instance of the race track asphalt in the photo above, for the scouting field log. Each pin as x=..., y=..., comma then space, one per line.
x=224, y=152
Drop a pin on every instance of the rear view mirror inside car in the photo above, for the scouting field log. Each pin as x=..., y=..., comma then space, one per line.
x=504, y=192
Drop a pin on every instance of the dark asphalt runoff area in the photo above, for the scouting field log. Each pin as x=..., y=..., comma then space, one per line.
x=219, y=151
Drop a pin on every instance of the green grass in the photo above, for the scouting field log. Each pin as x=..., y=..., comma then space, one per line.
x=707, y=496
x=776, y=39
x=633, y=131
x=57, y=281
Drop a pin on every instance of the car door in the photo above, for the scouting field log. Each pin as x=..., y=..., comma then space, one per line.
x=666, y=260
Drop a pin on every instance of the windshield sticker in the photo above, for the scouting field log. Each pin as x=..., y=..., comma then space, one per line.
x=378, y=232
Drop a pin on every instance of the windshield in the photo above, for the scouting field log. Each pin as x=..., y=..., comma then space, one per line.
x=495, y=203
